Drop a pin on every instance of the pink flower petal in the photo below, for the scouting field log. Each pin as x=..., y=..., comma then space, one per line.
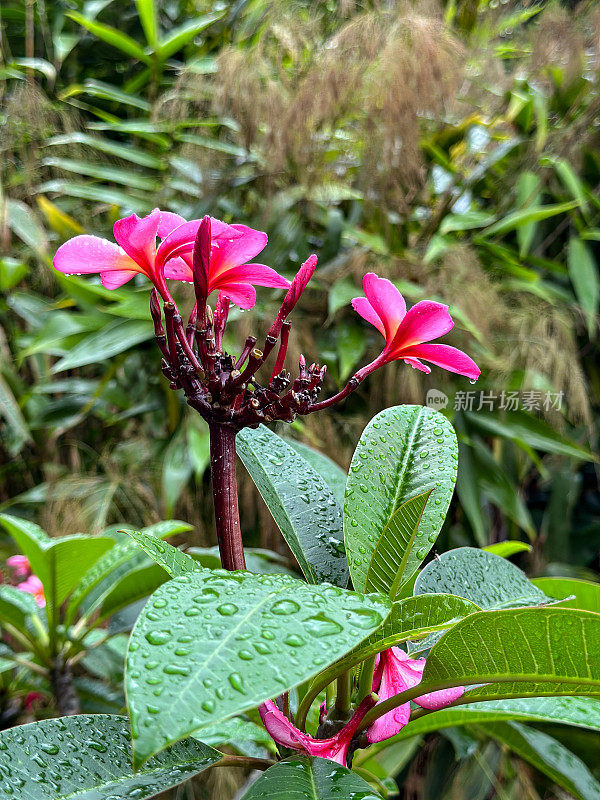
x=416, y=364
x=235, y=247
x=386, y=301
x=257, y=274
x=441, y=699
x=242, y=294
x=426, y=320
x=177, y=269
x=445, y=356
x=168, y=223
x=87, y=254
x=362, y=306
x=116, y=278
x=180, y=240
x=389, y=724
x=137, y=236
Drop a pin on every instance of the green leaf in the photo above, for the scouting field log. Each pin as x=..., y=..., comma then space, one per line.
x=333, y=475
x=124, y=151
x=582, y=712
x=59, y=563
x=23, y=222
x=235, y=729
x=118, y=555
x=520, y=426
x=403, y=452
x=131, y=587
x=482, y=577
x=88, y=757
x=394, y=547
x=105, y=343
x=112, y=36
x=209, y=645
x=571, y=182
x=528, y=196
x=517, y=219
x=307, y=778
x=180, y=36
x=172, y=560
x=508, y=548
x=410, y=619
x=148, y=17
x=583, y=272
x=107, y=92
x=103, y=172
x=586, y=594
x=549, y=756
x=300, y=501
x=466, y=221
x=10, y=411
x=529, y=652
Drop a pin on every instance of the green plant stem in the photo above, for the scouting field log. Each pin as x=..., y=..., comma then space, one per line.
x=24, y=662
x=365, y=681
x=343, y=692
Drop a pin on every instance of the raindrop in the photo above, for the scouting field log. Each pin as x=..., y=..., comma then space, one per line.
x=284, y=608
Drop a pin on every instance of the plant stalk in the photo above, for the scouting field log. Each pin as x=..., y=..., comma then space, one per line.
x=225, y=496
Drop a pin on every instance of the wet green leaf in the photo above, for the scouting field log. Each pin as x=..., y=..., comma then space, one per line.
x=403, y=452
x=301, y=502
x=305, y=778
x=482, y=577
x=89, y=757
x=209, y=645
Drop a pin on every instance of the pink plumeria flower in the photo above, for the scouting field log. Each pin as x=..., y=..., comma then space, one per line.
x=135, y=251
x=335, y=748
x=221, y=256
x=408, y=333
x=33, y=585
x=20, y=564
x=395, y=672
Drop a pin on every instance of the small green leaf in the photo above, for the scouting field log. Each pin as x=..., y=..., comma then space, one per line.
x=221, y=643
x=528, y=196
x=403, y=452
x=394, y=547
x=172, y=560
x=148, y=17
x=111, y=36
x=583, y=272
x=517, y=219
x=508, y=548
x=466, y=221
x=88, y=757
x=180, y=36
x=24, y=223
x=18, y=609
x=140, y=582
x=300, y=501
x=482, y=577
x=300, y=778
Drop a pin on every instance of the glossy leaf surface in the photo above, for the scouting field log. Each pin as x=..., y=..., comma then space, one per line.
x=485, y=578
x=301, y=502
x=209, y=645
x=403, y=452
x=310, y=779
x=89, y=757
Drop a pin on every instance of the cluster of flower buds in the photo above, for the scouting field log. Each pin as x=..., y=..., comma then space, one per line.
x=223, y=388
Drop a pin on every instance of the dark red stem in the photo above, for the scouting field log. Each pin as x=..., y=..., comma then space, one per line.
x=225, y=496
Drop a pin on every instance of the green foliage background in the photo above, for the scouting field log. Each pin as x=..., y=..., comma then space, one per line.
x=453, y=148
